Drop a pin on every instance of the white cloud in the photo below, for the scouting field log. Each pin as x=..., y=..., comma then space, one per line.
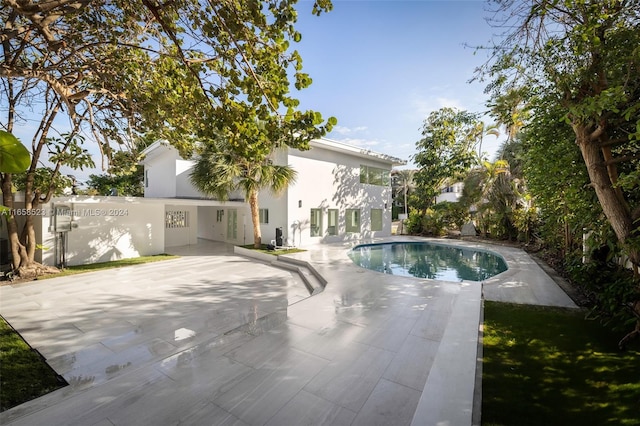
x=342, y=130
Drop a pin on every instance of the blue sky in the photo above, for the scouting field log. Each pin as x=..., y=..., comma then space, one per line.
x=380, y=67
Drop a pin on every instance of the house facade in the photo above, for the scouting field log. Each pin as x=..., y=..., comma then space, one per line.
x=341, y=193
x=450, y=192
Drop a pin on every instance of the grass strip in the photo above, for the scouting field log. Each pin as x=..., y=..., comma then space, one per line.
x=79, y=269
x=278, y=252
x=23, y=373
x=551, y=366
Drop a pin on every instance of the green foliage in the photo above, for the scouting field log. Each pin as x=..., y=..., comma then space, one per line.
x=551, y=366
x=611, y=289
x=14, y=157
x=124, y=185
x=24, y=373
x=453, y=215
x=431, y=222
x=68, y=151
x=43, y=180
x=220, y=170
x=445, y=151
x=573, y=64
x=130, y=72
x=558, y=180
x=525, y=218
x=414, y=222
x=225, y=166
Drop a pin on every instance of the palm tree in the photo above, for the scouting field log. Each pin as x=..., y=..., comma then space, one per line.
x=404, y=181
x=480, y=131
x=511, y=110
x=220, y=171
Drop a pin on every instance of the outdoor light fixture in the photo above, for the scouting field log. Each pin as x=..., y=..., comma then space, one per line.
x=299, y=203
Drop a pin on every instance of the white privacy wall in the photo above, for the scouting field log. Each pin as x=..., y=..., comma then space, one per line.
x=104, y=229
x=181, y=235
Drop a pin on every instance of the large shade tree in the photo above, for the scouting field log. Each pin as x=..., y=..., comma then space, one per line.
x=584, y=57
x=445, y=151
x=126, y=72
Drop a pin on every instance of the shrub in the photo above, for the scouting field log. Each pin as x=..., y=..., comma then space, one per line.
x=610, y=288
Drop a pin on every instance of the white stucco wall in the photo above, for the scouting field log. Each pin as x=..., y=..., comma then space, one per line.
x=160, y=173
x=182, y=236
x=104, y=229
x=184, y=187
x=331, y=180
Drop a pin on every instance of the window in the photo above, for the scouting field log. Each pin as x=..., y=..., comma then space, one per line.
x=332, y=219
x=316, y=222
x=176, y=219
x=374, y=176
x=146, y=178
x=353, y=220
x=376, y=219
x=219, y=215
x=264, y=215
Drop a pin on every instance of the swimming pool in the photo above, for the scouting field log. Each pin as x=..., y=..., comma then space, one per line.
x=428, y=260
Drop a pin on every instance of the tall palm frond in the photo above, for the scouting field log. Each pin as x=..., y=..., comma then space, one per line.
x=220, y=171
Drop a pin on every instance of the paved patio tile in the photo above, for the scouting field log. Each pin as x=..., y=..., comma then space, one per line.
x=349, y=378
x=306, y=409
x=389, y=404
x=213, y=338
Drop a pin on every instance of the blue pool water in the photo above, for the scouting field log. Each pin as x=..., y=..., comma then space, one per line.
x=427, y=260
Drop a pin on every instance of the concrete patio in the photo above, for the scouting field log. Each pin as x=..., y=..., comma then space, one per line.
x=215, y=338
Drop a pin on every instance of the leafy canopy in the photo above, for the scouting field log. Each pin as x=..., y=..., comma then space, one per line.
x=445, y=151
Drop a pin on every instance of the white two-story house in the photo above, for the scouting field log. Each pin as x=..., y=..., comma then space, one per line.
x=341, y=193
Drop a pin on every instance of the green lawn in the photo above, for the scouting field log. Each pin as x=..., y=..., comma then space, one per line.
x=79, y=269
x=23, y=374
x=277, y=252
x=550, y=366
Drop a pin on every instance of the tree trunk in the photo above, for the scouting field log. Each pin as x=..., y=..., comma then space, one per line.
x=255, y=218
x=18, y=251
x=22, y=252
x=613, y=207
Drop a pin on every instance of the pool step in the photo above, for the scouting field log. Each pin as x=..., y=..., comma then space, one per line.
x=312, y=280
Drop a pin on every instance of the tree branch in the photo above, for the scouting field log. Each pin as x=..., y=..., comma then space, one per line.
x=155, y=10
x=251, y=71
x=622, y=159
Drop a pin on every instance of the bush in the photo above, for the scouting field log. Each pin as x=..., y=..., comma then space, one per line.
x=414, y=223
x=431, y=223
x=610, y=288
x=453, y=215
